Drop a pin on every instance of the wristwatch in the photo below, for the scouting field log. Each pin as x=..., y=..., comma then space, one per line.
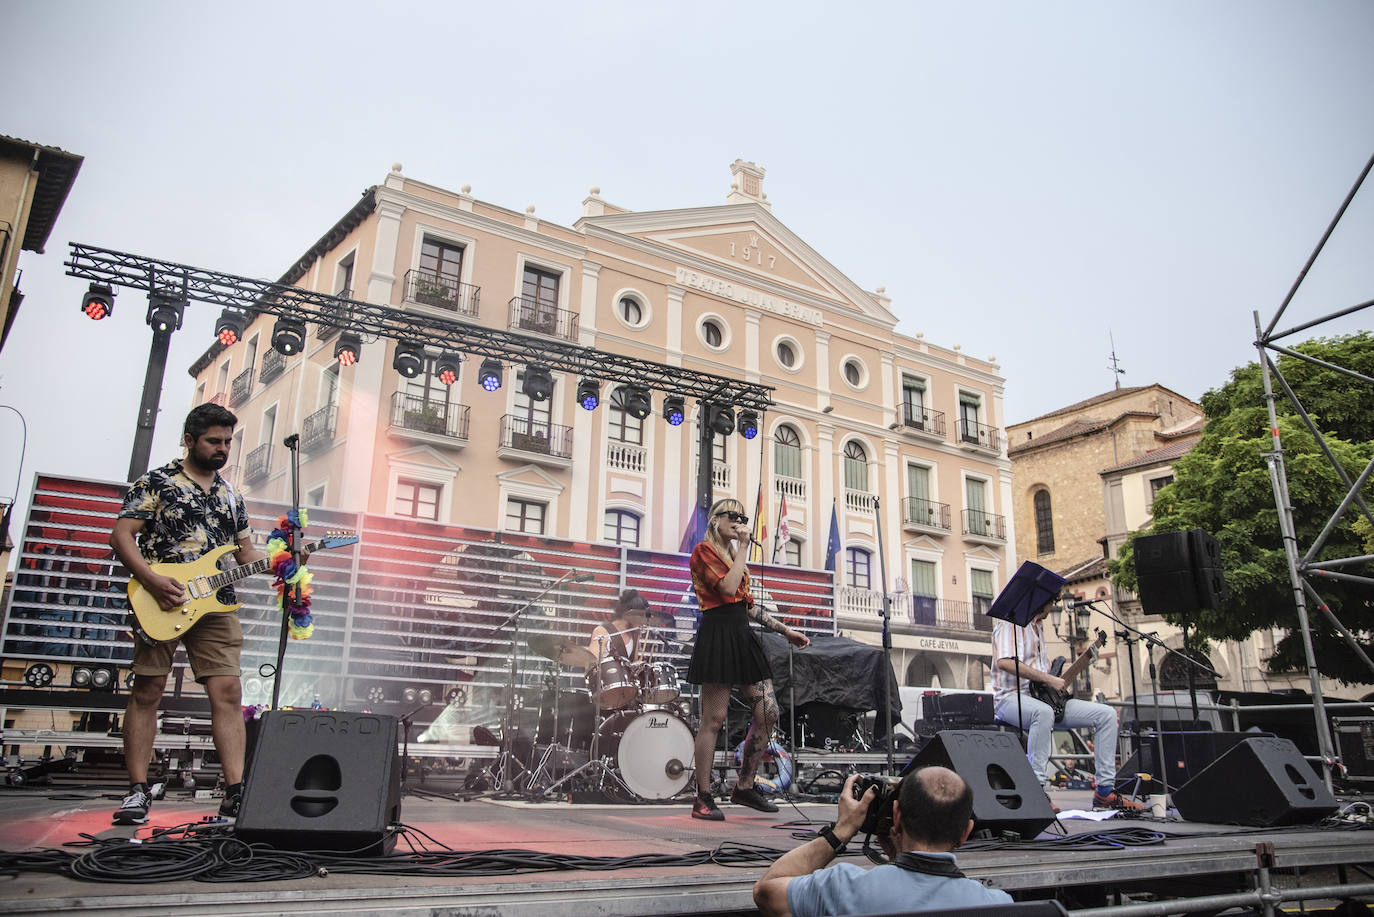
x=828, y=832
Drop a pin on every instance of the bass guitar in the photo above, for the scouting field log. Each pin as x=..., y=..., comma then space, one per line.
x=203, y=578
x=1055, y=698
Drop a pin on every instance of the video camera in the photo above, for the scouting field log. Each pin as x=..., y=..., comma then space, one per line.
x=878, y=820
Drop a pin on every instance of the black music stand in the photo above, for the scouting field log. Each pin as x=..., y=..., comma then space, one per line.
x=1030, y=589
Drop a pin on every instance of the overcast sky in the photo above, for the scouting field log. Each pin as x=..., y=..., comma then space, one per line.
x=1027, y=180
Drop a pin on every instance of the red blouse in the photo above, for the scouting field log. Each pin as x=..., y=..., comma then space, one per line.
x=708, y=569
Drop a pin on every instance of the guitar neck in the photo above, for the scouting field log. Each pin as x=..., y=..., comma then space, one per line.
x=227, y=577
x=1079, y=664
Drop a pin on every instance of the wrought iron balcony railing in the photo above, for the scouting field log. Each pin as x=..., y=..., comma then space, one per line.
x=318, y=430
x=257, y=464
x=241, y=388
x=985, y=525
x=925, y=513
x=536, y=436
x=980, y=435
x=337, y=313
x=273, y=365
x=541, y=318
x=923, y=420
x=442, y=292
x=414, y=414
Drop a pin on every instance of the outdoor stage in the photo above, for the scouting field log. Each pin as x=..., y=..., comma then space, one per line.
x=1173, y=857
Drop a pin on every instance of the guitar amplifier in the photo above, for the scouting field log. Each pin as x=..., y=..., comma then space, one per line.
x=1355, y=743
x=963, y=709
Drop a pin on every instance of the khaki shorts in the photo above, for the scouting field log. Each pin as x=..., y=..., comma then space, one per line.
x=214, y=647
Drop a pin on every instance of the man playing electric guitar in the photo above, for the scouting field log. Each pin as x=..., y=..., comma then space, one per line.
x=176, y=514
x=1020, y=658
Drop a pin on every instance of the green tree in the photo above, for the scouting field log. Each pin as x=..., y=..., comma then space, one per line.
x=1223, y=486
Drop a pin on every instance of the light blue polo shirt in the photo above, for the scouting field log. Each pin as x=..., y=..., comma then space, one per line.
x=844, y=888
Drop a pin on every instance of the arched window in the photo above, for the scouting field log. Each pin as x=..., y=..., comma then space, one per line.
x=855, y=466
x=787, y=454
x=1044, y=523
x=622, y=527
x=625, y=427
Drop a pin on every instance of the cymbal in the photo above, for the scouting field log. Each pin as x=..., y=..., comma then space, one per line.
x=660, y=618
x=561, y=650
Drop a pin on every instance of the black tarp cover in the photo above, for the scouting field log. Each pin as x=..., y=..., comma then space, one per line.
x=832, y=670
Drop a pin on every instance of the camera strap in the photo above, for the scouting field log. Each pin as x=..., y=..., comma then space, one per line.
x=931, y=866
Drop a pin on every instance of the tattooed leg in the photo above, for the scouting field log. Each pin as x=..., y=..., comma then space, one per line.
x=760, y=698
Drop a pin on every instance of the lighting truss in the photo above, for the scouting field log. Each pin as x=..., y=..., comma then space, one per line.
x=115, y=268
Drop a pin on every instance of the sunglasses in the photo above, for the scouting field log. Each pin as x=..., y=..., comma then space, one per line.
x=737, y=518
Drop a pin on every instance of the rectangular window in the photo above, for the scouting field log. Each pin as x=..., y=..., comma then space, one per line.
x=980, y=584
x=924, y=591
x=343, y=282
x=857, y=566
x=622, y=527
x=968, y=417
x=913, y=400
x=525, y=516
x=624, y=426
x=1158, y=484
x=426, y=389
x=441, y=259
x=329, y=385
x=223, y=380
x=315, y=496
x=534, y=414
x=269, y=425
x=918, y=482
x=416, y=499
x=792, y=553
x=539, y=300
x=250, y=352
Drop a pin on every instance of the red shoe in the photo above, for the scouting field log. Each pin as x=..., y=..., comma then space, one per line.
x=1115, y=800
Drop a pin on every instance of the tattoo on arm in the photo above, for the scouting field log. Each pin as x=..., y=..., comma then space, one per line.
x=767, y=621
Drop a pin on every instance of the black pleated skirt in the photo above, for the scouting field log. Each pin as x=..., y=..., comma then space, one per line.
x=727, y=651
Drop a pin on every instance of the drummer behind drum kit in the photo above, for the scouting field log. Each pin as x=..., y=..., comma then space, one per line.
x=630, y=727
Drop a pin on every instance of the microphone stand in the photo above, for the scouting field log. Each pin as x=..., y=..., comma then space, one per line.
x=505, y=760
x=887, y=635
x=292, y=443
x=1151, y=641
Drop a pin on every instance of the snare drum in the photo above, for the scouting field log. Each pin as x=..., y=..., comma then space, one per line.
x=658, y=682
x=652, y=751
x=618, y=688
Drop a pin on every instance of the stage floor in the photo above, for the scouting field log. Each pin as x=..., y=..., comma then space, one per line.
x=1190, y=857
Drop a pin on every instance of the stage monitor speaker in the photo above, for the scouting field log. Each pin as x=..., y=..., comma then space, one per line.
x=1179, y=571
x=1186, y=753
x=323, y=780
x=1260, y=781
x=1006, y=795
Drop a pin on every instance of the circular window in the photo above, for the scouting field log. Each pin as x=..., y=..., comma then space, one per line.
x=786, y=355
x=711, y=333
x=631, y=308
x=630, y=311
x=854, y=373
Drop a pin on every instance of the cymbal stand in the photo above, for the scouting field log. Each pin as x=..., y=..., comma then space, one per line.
x=597, y=765
x=543, y=768
x=506, y=761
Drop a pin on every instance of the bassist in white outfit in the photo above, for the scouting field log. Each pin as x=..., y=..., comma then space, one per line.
x=1021, y=652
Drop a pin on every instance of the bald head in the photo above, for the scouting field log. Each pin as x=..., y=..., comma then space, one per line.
x=936, y=805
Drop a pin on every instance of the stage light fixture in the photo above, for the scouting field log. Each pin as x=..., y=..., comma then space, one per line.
x=589, y=394
x=102, y=678
x=98, y=301
x=288, y=336
x=489, y=376
x=723, y=420
x=165, y=311
x=409, y=695
x=426, y=696
x=638, y=404
x=409, y=360
x=748, y=424
x=674, y=410
x=39, y=675
x=537, y=382
x=348, y=348
x=81, y=677
x=446, y=367
x=230, y=327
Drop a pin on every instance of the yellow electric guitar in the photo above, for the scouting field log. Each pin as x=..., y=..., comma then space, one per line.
x=202, y=579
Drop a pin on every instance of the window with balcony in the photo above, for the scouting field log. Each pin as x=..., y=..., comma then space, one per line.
x=427, y=389
x=440, y=259
x=855, y=466
x=913, y=399
x=539, y=295
x=1044, y=523
x=857, y=562
x=622, y=527
x=624, y=426
x=416, y=499
x=980, y=586
x=525, y=516
x=343, y=276
x=925, y=591
x=787, y=452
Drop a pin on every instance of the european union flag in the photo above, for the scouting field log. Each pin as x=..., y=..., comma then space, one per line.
x=832, y=547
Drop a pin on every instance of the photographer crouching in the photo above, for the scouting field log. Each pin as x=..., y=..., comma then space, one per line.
x=931, y=815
